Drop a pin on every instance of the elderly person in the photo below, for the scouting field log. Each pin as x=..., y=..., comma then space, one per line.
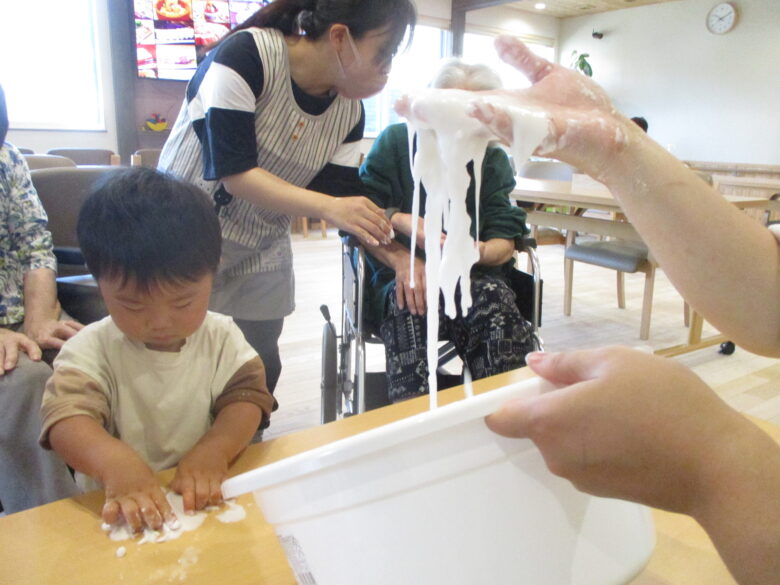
x=29, y=325
x=493, y=337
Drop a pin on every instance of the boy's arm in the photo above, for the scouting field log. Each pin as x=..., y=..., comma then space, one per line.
x=74, y=412
x=132, y=490
x=240, y=408
x=200, y=473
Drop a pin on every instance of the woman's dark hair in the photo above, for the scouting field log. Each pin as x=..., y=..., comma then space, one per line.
x=150, y=227
x=313, y=18
x=3, y=117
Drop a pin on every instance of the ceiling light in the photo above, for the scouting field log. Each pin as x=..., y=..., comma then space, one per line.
x=540, y=5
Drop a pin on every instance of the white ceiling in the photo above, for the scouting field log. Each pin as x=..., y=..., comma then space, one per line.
x=567, y=8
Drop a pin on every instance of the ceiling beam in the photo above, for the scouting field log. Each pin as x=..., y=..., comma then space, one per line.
x=466, y=5
x=459, y=8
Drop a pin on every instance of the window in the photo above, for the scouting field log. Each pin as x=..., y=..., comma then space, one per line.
x=478, y=48
x=412, y=69
x=49, y=68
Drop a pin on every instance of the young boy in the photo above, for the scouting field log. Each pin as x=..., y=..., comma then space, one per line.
x=161, y=381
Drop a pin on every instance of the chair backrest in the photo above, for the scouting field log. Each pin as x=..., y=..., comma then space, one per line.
x=25, y=150
x=146, y=157
x=553, y=170
x=47, y=161
x=62, y=191
x=85, y=156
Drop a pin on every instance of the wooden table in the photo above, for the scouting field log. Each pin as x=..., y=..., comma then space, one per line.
x=62, y=543
x=755, y=185
x=582, y=194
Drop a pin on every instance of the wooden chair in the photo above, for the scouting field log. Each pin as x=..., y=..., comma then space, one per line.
x=47, y=161
x=145, y=157
x=88, y=156
x=621, y=256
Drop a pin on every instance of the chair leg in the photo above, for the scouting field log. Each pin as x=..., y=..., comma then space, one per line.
x=621, y=289
x=305, y=226
x=647, y=303
x=324, y=229
x=686, y=314
x=568, y=277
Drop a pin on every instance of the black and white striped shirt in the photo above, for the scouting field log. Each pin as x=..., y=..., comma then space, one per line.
x=242, y=110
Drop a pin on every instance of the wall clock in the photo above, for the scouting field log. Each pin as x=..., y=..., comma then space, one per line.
x=722, y=18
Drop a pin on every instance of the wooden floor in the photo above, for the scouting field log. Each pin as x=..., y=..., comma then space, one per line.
x=748, y=382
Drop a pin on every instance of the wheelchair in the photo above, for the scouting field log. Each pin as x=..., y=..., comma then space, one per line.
x=346, y=387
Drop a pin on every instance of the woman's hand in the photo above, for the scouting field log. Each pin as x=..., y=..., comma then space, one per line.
x=585, y=129
x=11, y=343
x=626, y=425
x=133, y=493
x=199, y=477
x=360, y=217
x=52, y=333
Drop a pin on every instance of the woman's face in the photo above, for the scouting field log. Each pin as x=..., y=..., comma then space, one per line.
x=364, y=64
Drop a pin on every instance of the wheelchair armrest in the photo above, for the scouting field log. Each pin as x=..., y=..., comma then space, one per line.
x=525, y=243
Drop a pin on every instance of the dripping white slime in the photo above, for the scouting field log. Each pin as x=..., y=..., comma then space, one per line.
x=448, y=138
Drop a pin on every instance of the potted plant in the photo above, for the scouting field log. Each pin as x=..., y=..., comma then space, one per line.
x=579, y=62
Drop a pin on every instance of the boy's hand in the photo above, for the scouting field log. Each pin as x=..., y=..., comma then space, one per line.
x=199, y=477
x=133, y=493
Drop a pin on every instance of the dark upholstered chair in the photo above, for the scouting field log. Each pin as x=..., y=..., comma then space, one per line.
x=62, y=191
x=47, y=161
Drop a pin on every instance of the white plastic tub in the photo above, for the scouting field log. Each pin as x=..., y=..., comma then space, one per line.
x=438, y=499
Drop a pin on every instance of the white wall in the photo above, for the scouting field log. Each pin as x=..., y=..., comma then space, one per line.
x=43, y=140
x=707, y=97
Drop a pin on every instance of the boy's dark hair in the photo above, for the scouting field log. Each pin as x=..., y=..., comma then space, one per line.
x=150, y=227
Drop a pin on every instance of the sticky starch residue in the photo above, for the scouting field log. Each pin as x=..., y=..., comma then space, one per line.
x=232, y=512
x=447, y=140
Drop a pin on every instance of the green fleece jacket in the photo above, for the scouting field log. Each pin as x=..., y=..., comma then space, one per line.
x=387, y=177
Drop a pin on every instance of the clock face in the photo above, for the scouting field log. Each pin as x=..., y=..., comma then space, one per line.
x=722, y=18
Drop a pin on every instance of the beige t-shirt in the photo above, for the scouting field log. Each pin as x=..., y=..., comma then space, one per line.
x=159, y=403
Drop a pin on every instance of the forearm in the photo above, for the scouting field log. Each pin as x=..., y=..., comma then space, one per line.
x=724, y=263
x=232, y=430
x=87, y=447
x=40, y=297
x=392, y=255
x=495, y=251
x=742, y=515
x=268, y=191
x=404, y=223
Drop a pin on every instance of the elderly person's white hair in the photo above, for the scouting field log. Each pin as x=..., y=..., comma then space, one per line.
x=455, y=74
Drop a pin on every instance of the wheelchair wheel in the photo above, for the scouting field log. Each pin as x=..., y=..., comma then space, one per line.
x=727, y=348
x=329, y=385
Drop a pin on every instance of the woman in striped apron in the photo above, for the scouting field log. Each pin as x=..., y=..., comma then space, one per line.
x=270, y=128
